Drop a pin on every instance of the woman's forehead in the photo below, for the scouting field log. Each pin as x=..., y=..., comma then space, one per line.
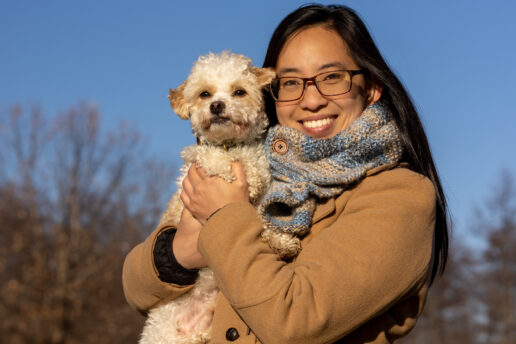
x=312, y=50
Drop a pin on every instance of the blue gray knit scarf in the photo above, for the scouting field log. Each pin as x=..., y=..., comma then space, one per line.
x=306, y=170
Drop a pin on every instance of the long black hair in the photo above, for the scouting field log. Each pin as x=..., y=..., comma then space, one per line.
x=364, y=51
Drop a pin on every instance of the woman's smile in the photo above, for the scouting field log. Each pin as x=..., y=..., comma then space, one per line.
x=318, y=126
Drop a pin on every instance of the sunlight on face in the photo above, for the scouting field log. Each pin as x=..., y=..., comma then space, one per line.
x=311, y=51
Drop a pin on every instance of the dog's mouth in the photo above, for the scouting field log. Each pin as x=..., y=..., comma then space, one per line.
x=219, y=120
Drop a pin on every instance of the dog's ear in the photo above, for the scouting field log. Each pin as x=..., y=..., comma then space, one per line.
x=264, y=75
x=178, y=102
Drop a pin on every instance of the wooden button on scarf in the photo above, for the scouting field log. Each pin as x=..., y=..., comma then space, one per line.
x=280, y=146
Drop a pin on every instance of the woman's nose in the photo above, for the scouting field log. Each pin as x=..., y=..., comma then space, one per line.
x=313, y=99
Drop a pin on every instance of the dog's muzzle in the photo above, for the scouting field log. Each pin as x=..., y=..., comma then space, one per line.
x=217, y=107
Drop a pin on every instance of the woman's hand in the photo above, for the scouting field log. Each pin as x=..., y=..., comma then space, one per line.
x=202, y=194
x=184, y=244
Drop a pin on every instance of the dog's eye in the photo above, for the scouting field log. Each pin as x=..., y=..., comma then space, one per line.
x=239, y=93
x=205, y=94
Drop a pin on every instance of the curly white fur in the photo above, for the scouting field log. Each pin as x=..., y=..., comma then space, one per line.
x=231, y=80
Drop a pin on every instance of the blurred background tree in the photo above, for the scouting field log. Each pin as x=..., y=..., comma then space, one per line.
x=475, y=301
x=74, y=199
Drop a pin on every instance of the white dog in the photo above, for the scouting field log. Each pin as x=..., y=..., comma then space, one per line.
x=222, y=97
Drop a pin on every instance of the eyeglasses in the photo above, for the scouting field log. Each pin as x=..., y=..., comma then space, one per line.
x=288, y=88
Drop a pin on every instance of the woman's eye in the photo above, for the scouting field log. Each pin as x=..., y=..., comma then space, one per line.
x=239, y=93
x=333, y=77
x=290, y=83
x=205, y=94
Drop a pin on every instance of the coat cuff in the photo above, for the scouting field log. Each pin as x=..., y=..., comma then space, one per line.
x=169, y=269
x=143, y=288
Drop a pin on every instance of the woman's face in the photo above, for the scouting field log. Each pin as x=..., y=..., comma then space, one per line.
x=309, y=52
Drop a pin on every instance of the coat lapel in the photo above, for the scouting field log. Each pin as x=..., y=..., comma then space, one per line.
x=324, y=209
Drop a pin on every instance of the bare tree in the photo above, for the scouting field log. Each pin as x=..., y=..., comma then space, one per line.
x=475, y=301
x=73, y=201
x=498, y=281
x=449, y=315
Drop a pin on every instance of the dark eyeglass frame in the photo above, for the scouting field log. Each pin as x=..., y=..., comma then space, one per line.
x=351, y=73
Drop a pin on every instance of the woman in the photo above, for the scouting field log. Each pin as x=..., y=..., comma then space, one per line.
x=373, y=231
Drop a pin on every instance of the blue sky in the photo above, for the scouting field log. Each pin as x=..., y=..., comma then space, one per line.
x=456, y=58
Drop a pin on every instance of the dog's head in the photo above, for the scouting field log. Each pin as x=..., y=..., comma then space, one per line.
x=223, y=98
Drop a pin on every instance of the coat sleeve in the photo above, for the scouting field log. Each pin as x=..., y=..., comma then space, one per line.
x=376, y=252
x=143, y=289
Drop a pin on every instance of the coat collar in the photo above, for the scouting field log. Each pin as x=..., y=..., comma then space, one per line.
x=385, y=167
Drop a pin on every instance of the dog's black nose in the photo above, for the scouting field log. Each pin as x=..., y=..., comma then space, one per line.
x=217, y=107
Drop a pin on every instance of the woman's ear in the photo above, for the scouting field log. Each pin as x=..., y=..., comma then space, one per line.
x=178, y=102
x=374, y=92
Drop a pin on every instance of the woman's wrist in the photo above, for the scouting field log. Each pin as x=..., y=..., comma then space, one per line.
x=213, y=213
x=185, y=250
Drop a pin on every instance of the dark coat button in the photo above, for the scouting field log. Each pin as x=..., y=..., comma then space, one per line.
x=232, y=334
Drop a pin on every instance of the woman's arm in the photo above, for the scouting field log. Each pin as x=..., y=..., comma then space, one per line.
x=377, y=251
x=185, y=242
x=161, y=267
x=143, y=288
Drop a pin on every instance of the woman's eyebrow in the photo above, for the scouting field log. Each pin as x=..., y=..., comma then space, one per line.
x=288, y=70
x=324, y=66
x=332, y=64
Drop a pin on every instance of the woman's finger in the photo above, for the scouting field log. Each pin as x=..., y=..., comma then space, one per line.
x=184, y=197
x=193, y=174
x=187, y=185
x=238, y=170
x=200, y=171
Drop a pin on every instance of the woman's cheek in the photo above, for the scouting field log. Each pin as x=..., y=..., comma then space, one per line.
x=285, y=112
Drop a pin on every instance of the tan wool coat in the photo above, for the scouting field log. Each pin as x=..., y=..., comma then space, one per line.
x=361, y=277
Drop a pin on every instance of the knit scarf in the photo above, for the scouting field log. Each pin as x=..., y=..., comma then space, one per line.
x=307, y=170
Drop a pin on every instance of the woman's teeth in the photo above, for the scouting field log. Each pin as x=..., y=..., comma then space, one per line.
x=318, y=123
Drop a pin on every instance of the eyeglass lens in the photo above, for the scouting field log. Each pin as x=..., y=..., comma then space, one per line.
x=328, y=84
